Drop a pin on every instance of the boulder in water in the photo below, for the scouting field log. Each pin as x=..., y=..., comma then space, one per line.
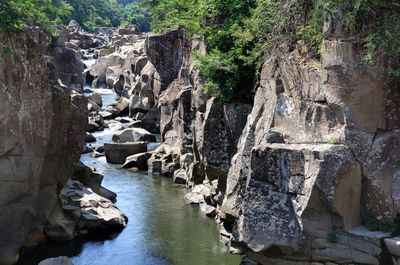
x=92, y=211
x=133, y=135
x=118, y=152
x=139, y=161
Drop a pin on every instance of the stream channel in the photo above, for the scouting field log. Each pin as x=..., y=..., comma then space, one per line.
x=162, y=228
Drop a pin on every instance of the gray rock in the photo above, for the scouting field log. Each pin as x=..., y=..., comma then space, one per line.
x=96, y=98
x=138, y=160
x=133, y=135
x=90, y=138
x=118, y=152
x=92, y=212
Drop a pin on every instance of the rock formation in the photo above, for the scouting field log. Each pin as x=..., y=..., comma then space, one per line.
x=316, y=158
x=41, y=138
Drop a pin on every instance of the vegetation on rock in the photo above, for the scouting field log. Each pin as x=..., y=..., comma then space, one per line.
x=239, y=33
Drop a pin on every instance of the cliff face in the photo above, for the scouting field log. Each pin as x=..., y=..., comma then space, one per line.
x=316, y=158
x=41, y=137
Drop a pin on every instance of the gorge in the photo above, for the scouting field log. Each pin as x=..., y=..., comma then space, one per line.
x=109, y=138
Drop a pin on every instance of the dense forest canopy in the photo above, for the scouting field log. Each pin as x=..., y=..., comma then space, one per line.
x=88, y=13
x=237, y=33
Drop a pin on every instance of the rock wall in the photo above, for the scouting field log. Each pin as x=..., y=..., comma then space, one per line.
x=41, y=136
x=316, y=159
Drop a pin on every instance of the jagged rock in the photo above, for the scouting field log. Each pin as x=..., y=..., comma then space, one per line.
x=151, y=121
x=92, y=212
x=88, y=176
x=118, y=152
x=90, y=138
x=41, y=137
x=133, y=135
x=381, y=190
x=180, y=177
x=96, y=98
x=165, y=53
x=57, y=261
x=122, y=107
x=93, y=107
x=139, y=161
x=96, y=122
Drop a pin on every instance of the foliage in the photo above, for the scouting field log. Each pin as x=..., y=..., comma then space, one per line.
x=241, y=32
x=334, y=138
x=15, y=14
x=378, y=225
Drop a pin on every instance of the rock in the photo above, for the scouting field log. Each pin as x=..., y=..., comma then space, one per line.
x=96, y=122
x=106, y=115
x=57, y=261
x=93, y=212
x=393, y=245
x=88, y=176
x=42, y=134
x=116, y=126
x=381, y=191
x=139, y=161
x=194, y=198
x=134, y=135
x=59, y=226
x=118, y=152
x=282, y=172
x=96, y=98
x=208, y=210
x=180, y=177
x=165, y=53
x=106, y=193
x=124, y=120
x=135, y=124
x=151, y=121
x=90, y=138
x=91, y=106
x=122, y=107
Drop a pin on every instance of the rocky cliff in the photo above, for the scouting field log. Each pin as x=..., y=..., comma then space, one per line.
x=41, y=136
x=297, y=179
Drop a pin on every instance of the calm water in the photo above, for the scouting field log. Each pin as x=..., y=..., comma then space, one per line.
x=162, y=229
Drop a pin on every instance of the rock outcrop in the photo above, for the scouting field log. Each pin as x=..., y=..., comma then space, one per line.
x=41, y=137
x=297, y=175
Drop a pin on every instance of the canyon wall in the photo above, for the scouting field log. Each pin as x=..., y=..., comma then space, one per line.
x=292, y=179
x=42, y=124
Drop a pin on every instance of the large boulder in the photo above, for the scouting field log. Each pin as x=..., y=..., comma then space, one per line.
x=138, y=161
x=117, y=153
x=284, y=182
x=134, y=135
x=89, y=210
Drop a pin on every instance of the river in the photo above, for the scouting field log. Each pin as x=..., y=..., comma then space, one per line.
x=162, y=229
